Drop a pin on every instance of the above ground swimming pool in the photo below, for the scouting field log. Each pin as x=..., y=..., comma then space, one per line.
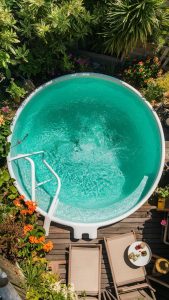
x=100, y=137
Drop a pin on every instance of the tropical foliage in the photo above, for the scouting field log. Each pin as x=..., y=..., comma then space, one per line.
x=127, y=23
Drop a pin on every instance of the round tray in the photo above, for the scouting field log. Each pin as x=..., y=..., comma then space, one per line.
x=142, y=260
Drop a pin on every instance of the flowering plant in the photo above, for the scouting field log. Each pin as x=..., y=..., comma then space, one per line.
x=163, y=222
x=79, y=64
x=50, y=287
x=139, y=73
x=28, y=238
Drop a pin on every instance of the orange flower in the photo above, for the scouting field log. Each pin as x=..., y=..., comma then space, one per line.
x=22, y=197
x=27, y=228
x=33, y=239
x=24, y=212
x=17, y=202
x=41, y=239
x=29, y=212
x=31, y=205
x=48, y=246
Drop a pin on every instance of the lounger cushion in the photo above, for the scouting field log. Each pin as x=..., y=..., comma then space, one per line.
x=85, y=269
x=124, y=272
x=136, y=295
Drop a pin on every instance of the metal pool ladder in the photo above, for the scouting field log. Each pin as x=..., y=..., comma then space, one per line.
x=34, y=185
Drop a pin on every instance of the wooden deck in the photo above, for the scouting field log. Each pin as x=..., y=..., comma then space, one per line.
x=145, y=222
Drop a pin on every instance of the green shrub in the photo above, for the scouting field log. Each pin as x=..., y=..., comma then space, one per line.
x=15, y=91
x=42, y=284
x=8, y=191
x=139, y=73
x=48, y=287
x=163, y=81
x=35, y=37
x=4, y=144
x=153, y=92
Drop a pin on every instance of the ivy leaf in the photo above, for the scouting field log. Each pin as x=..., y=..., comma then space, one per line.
x=8, y=73
x=12, y=196
x=13, y=189
x=6, y=176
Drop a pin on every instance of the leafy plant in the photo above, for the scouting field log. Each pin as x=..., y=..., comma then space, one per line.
x=127, y=24
x=79, y=64
x=10, y=232
x=163, y=192
x=33, y=271
x=49, y=287
x=30, y=240
x=42, y=284
x=15, y=91
x=8, y=191
x=163, y=81
x=153, y=92
x=4, y=144
x=35, y=37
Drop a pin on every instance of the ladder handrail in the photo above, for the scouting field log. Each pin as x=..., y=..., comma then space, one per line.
x=33, y=177
x=55, y=200
x=25, y=155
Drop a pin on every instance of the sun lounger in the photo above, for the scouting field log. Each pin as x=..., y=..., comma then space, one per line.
x=85, y=269
x=130, y=283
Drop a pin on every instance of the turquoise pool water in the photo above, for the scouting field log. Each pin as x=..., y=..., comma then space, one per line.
x=100, y=138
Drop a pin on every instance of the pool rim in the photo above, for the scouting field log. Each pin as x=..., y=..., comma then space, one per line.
x=88, y=226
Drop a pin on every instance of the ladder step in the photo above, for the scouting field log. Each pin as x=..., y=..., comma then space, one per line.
x=43, y=182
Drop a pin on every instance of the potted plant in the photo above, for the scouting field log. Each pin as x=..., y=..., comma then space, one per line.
x=163, y=196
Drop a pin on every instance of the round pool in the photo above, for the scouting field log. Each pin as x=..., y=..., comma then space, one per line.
x=100, y=137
